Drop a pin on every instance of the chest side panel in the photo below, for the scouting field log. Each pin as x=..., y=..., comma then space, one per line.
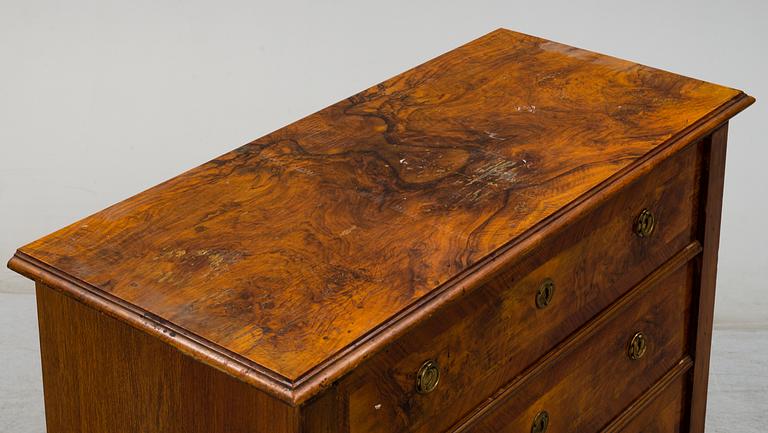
x=102, y=375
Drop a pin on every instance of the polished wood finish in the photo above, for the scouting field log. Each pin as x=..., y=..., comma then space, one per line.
x=307, y=275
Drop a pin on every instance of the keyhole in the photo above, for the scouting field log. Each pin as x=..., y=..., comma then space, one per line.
x=545, y=293
x=637, y=346
x=427, y=377
x=644, y=224
x=540, y=422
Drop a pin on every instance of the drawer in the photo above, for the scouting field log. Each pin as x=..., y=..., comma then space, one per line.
x=490, y=335
x=593, y=379
x=665, y=414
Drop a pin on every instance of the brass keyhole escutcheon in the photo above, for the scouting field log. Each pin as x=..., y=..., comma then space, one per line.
x=545, y=293
x=427, y=377
x=540, y=422
x=638, y=345
x=645, y=223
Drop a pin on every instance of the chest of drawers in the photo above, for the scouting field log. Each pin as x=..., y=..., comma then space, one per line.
x=516, y=236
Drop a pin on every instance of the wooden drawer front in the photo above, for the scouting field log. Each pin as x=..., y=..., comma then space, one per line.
x=665, y=414
x=486, y=338
x=587, y=384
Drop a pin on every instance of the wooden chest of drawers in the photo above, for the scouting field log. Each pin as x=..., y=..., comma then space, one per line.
x=516, y=236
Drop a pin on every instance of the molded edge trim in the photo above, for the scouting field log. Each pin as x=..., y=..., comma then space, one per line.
x=335, y=366
x=187, y=342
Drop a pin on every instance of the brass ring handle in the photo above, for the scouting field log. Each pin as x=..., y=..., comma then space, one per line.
x=644, y=224
x=545, y=293
x=637, y=347
x=427, y=377
x=540, y=422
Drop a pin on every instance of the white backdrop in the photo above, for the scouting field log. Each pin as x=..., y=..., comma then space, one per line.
x=102, y=99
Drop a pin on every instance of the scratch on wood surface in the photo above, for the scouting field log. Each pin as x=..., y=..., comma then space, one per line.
x=495, y=172
x=493, y=135
x=528, y=108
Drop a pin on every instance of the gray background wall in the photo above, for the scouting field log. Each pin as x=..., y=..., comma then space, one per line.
x=102, y=99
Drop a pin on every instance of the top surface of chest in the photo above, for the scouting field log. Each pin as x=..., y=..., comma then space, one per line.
x=301, y=243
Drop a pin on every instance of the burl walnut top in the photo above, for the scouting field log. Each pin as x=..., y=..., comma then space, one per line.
x=287, y=254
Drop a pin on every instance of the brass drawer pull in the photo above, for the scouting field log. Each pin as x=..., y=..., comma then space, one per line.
x=645, y=223
x=638, y=345
x=545, y=293
x=540, y=422
x=427, y=377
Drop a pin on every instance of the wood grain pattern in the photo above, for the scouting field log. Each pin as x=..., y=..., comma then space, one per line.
x=594, y=261
x=294, y=251
x=583, y=392
x=101, y=375
x=326, y=413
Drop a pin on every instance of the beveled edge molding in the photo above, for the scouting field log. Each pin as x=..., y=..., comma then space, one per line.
x=335, y=366
x=649, y=396
x=579, y=338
